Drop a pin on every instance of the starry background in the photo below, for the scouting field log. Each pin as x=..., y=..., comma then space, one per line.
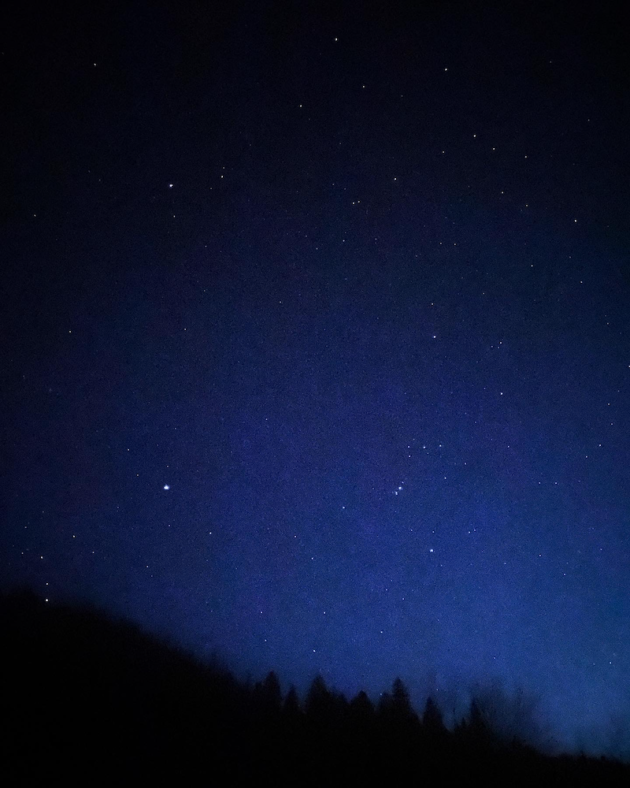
x=315, y=340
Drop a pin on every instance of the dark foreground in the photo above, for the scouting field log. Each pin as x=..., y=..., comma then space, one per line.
x=89, y=701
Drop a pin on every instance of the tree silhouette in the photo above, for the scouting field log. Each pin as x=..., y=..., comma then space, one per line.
x=268, y=694
x=291, y=708
x=478, y=722
x=394, y=709
x=401, y=704
x=384, y=707
x=432, y=719
x=319, y=703
x=80, y=689
x=362, y=709
x=509, y=718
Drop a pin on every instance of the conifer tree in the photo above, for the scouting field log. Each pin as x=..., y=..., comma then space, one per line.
x=432, y=719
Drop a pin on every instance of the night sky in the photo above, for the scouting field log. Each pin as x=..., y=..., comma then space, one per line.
x=316, y=337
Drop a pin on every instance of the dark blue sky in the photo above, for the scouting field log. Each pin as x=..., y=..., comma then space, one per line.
x=316, y=344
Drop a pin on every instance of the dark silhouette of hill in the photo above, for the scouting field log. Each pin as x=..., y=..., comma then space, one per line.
x=89, y=700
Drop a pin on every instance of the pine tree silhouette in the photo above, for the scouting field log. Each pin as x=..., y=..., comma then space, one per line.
x=83, y=691
x=268, y=693
x=319, y=701
x=401, y=704
x=291, y=708
x=362, y=710
x=432, y=719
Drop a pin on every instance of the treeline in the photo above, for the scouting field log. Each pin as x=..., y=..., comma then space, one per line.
x=89, y=700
